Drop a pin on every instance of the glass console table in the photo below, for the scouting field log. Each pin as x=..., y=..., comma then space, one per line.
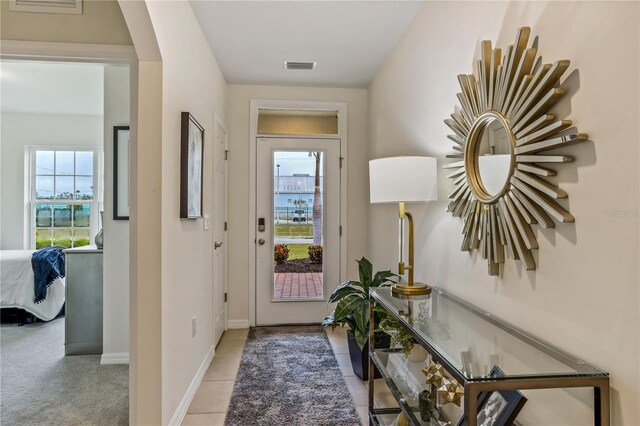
x=468, y=343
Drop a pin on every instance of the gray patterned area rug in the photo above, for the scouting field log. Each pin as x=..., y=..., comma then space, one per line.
x=290, y=376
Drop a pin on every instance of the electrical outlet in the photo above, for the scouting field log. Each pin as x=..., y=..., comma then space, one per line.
x=194, y=326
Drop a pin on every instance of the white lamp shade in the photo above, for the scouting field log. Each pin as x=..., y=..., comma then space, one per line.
x=403, y=179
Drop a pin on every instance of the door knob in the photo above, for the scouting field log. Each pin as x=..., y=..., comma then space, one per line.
x=217, y=245
x=261, y=241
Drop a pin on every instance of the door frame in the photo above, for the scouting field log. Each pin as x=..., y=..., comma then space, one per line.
x=143, y=331
x=255, y=106
x=225, y=247
x=272, y=310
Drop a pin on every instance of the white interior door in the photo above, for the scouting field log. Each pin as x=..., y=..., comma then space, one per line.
x=296, y=210
x=219, y=229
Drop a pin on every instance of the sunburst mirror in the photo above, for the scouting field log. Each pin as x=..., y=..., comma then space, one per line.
x=499, y=170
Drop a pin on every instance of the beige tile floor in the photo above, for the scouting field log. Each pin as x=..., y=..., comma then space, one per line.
x=209, y=405
x=359, y=389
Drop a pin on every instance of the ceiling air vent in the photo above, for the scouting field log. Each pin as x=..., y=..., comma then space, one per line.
x=70, y=7
x=293, y=65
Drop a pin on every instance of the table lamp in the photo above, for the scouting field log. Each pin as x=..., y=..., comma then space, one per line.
x=404, y=180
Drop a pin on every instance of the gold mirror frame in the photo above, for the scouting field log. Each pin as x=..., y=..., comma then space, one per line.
x=471, y=157
x=520, y=94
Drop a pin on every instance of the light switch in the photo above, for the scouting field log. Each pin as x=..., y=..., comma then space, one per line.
x=206, y=221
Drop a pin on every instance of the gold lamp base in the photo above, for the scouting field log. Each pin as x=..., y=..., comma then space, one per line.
x=410, y=289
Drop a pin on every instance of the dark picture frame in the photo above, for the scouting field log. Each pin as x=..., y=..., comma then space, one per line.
x=121, y=172
x=507, y=403
x=191, y=167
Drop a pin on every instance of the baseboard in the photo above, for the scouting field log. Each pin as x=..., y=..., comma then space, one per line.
x=115, y=358
x=241, y=323
x=181, y=411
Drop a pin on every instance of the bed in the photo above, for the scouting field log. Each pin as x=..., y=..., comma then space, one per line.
x=17, y=288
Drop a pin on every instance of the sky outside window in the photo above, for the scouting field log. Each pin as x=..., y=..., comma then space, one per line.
x=294, y=163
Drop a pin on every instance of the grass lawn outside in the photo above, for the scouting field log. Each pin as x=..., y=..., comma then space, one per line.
x=62, y=237
x=305, y=230
x=298, y=251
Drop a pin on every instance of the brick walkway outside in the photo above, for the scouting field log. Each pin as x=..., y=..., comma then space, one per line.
x=294, y=285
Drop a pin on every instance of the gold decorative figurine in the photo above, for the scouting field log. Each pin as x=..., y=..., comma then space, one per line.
x=435, y=374
x=450, y=391
x=403, y=420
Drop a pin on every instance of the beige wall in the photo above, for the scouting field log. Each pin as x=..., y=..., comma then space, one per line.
x=18, y=132
x=584, y=295
x=193, y=82
x=145, y=237
x=101, y=22
x=116, y=232
x=238, y=99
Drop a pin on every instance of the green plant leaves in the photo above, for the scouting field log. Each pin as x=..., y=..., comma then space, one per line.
x=353, y=301
x=383, y=278
x=361, y=316
x=350, y=322
x=361, y=338
x=350, y=283
x=346, y=307
x=344, y=290
x=329, y=321
x=365, y=270
x=342, y=293
x=399, y=335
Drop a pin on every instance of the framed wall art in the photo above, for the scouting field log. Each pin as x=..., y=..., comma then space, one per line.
x=121, y=173
x=191, y=167
x=498, y=408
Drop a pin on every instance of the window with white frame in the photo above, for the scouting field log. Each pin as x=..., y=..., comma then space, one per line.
x=66, y=195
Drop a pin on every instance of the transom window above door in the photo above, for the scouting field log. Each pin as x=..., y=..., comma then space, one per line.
x=66, y=195
x=274, y=121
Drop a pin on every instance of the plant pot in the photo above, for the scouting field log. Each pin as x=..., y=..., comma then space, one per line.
x=418, y=354
x=360, y=358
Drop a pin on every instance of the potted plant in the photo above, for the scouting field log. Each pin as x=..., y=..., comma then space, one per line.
x=352, y=310
x=402, y=338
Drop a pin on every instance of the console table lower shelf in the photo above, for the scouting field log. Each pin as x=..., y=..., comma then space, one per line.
x=384, y=416
x=475, y=353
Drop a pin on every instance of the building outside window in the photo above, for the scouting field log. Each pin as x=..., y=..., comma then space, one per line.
x=66, y=196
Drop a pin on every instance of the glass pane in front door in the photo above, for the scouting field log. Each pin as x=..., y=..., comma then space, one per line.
x=291, y=285
x=298, y=225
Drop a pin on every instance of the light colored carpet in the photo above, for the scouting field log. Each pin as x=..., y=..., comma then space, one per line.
x=40, y=386
x=290, y=376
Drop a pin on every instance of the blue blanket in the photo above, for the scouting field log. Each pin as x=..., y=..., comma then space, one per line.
x=47, y=264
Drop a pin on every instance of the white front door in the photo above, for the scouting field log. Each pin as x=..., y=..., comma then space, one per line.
x=219, y=229
x=297, y=229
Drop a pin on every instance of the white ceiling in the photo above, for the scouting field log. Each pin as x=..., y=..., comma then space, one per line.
x=51, y=88
x=348, y=39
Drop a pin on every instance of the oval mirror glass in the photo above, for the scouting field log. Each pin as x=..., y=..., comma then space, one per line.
x=494, y=157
